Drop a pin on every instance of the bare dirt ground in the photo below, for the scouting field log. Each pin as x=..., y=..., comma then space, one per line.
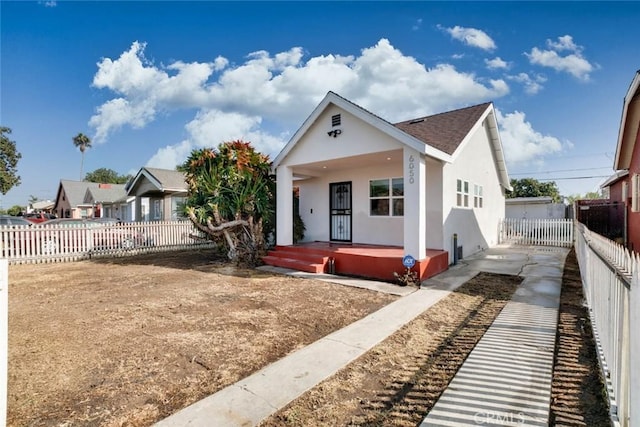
x=577, y=392
x=398, y=382
x=130, y=341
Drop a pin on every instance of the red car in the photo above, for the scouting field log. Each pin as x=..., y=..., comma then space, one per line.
x=38, y=217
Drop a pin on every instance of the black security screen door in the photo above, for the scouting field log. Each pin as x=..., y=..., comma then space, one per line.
x=340, y=215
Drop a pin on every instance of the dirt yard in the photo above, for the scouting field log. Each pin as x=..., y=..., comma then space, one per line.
x=398, y=382
x=130, y=341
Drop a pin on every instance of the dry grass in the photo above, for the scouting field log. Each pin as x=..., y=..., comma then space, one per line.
x=130, y=341
x=399, y=380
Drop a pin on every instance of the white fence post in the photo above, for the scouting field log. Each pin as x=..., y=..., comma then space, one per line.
x=4, y=338
x=634, y=347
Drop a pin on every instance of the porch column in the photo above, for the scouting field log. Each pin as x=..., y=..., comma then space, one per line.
x=415, y=217
x=138, y=209
x=284, y=206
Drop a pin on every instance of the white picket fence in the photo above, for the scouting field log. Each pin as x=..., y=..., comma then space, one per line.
x=611, y=281
x=60, y=243
x=536, y=232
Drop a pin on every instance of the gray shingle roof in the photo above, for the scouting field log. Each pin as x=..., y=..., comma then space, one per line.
x=170, y=179
x=115, y=193
x=75, y=190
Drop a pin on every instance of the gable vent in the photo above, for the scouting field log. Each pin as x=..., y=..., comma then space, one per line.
x=335, y=120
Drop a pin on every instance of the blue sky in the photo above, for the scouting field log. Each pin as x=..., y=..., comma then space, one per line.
x=150, y=81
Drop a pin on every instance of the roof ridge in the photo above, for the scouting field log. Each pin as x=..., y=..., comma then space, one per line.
x=446, y=112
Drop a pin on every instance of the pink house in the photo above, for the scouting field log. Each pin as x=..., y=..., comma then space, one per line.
x=624, y=186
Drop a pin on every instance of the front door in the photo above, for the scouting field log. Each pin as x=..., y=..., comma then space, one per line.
x=340, y=211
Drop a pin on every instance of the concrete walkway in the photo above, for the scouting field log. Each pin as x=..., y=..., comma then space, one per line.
x=506, y=380
x=509, y=341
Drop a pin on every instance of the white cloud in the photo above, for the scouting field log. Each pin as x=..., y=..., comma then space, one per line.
x=496, y=63
x=417, y=25
x=237, y=101
x=521, y=142
x=471, y=37
x=531, y=85
x=573, y=63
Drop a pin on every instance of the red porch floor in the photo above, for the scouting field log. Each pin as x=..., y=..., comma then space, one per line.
x=371, y=261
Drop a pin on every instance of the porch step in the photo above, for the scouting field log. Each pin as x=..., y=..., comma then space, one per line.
x=295, y=264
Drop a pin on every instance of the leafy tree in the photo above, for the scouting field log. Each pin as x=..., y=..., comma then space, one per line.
x=9, y=157
x=529, y=187
x=230, y=194
x=106, y=176
x=589, y=195
x=15, y=210
x=83, y=142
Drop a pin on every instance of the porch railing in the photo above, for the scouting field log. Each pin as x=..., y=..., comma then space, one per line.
x=611, y=281
x=59, y=243
x=543, y=232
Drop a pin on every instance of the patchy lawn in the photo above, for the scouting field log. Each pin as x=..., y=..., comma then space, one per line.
x=400, y=379
x=131, y=340
x=398, y=382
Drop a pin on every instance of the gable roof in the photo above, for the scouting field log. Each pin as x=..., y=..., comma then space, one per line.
x=105, y=193
x=74, y=191
x=437, y=136
x=165, y=180
x=614, y=178
x=629, y=125
x=445, y=131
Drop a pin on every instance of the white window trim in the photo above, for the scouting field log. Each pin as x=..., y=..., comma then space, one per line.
x=478, y=197
x=464, y=195
x=390, y=197
x=635, y=188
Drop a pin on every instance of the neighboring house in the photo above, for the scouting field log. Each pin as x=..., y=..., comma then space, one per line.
x=413, y=184
x=109, y=201
x=70, y=202
x=158, y=194
x=534, y=208
x=41, y=206
x=624, y=186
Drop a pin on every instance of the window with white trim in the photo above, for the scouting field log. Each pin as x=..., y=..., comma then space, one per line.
x=625, y=191
x=477, y=196
x=462, y=193
x=635, y=188
x=386, y=197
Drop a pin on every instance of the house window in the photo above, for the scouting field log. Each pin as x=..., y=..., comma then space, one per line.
x=335, y=120
x=635, y=188
x=177, y=207
x=157, y=209
x=462, y=193
x=386, y=197
x=477, y=196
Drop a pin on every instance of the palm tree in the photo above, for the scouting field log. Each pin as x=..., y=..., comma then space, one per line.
x=83, y=142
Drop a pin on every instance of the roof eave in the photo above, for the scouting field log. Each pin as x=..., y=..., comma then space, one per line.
x=626, y=137
x=367, y=117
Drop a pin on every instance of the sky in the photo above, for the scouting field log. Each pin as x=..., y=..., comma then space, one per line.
x=150, y=81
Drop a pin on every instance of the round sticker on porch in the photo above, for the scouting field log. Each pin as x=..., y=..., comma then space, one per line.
x=408, y=261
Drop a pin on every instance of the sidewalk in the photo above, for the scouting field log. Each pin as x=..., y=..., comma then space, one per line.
x=251, y=400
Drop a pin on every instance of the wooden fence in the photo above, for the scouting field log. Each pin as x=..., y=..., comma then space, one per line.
x=59, y=243
x=543, y=232
x=611, y=281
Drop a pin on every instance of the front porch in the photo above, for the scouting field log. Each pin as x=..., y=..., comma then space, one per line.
x=361, y=260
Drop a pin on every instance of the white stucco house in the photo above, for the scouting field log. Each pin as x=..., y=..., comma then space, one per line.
x=412, y=185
